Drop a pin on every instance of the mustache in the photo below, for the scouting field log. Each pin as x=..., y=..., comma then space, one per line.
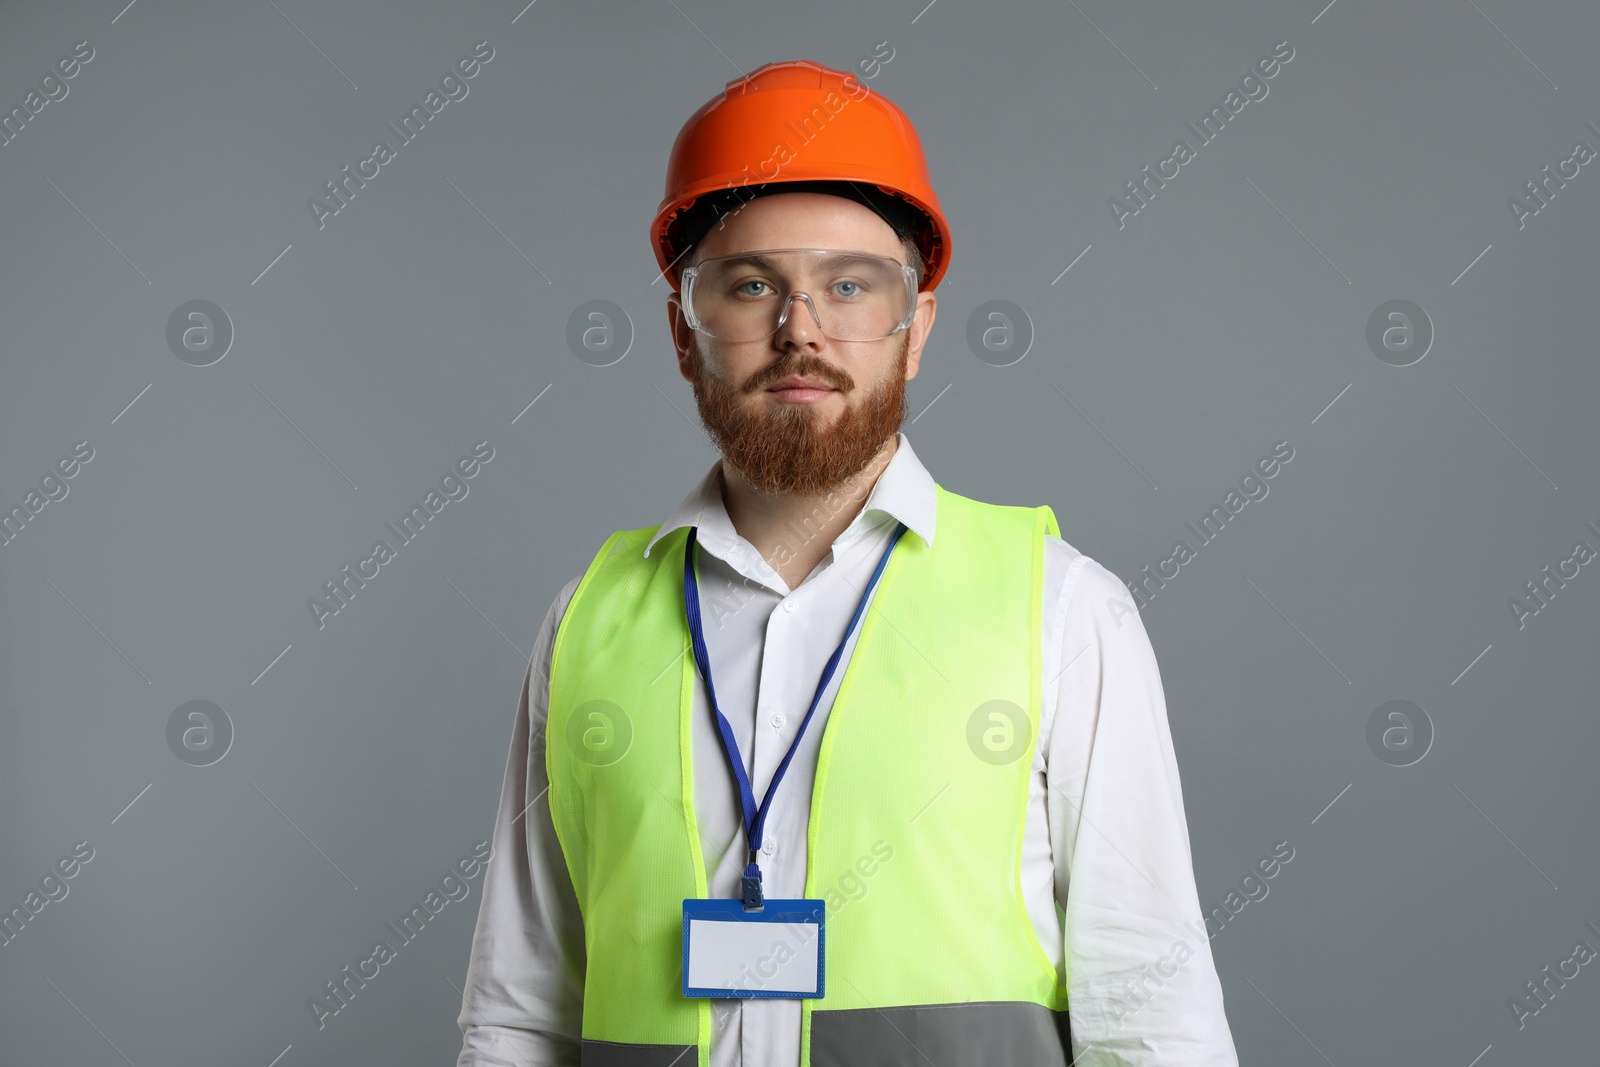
x=806, y=367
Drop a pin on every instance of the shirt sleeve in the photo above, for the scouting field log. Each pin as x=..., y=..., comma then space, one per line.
x=523, y=1002
x=1141, y=984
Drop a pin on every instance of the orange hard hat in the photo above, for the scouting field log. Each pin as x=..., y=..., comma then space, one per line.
x=799, y=122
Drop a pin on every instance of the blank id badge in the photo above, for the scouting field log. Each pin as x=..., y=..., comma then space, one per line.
x=776, y=951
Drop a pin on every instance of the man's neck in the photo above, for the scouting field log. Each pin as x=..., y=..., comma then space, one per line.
x=792, y=532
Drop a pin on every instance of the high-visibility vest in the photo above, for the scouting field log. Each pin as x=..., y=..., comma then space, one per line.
x=917, y=807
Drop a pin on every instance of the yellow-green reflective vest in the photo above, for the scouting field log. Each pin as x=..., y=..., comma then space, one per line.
x=917, y=807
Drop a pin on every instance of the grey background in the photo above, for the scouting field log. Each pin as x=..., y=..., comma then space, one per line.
x=1227, y=316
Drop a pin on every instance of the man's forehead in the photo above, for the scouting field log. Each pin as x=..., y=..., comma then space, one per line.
x=798, y=258
x=801, y=220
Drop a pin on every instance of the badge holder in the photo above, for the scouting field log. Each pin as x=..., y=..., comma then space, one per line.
x=775, y=950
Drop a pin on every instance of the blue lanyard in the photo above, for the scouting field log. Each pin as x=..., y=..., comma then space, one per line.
x=755, y=818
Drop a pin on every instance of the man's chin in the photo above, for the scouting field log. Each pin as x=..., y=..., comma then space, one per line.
x=793, y=447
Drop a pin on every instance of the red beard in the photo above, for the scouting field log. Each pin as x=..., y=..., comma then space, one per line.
x=786, y=450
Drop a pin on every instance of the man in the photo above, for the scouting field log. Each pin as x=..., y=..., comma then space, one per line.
x=834, y=766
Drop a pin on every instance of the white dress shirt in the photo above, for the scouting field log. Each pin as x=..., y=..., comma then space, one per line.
x=1106, y=867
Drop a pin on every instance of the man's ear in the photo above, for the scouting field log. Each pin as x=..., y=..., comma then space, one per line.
x=920, y=329
x=682, y=336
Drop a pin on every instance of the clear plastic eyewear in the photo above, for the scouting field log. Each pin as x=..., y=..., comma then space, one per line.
x=747, y=296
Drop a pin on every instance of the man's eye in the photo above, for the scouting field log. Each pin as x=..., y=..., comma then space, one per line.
x=743, y=289
x=854, y=289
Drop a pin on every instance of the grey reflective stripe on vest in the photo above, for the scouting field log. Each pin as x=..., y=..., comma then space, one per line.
x=981, y=1034
x=622, y=1054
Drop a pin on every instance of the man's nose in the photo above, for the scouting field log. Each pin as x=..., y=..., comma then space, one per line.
x=799, y=320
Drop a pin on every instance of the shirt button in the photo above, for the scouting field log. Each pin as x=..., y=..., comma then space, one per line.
x=769, y=847
x=788, y=605
x=778, y=719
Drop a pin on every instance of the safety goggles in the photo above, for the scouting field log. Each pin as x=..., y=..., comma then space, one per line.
x=851, y=296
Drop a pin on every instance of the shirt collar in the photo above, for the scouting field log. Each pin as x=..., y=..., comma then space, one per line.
x=904, y=491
